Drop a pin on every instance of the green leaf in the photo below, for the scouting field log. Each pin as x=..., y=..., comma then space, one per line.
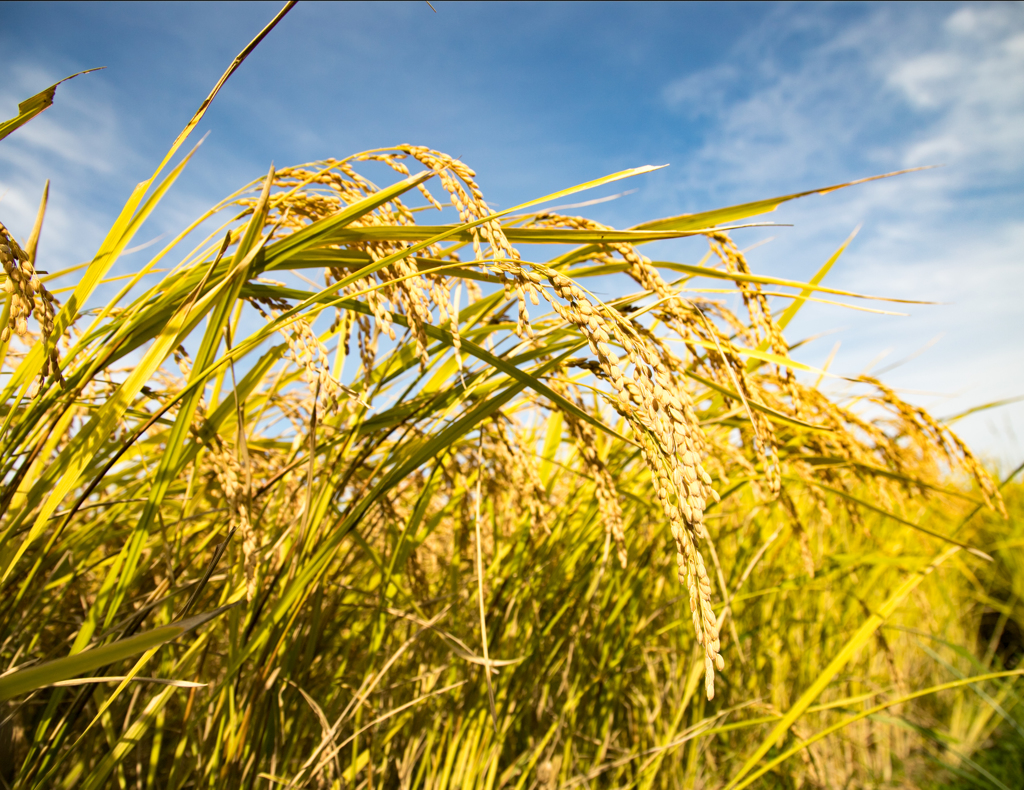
x=171, y=460
x=514, y=235
x=863, y=634
x=984, y=407
x=736, y=785
x=323, y=230
x=707, y=219
x=791, y=311
x=34, y=105
x=772, y=414
x=75, y=457
x=26, y=680
x=718, y=274
x=759, y=354
x=887, y=514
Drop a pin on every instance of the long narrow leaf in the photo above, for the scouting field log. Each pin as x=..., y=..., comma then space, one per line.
x=26, y=680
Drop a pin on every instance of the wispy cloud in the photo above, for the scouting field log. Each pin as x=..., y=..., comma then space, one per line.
x=812, y=95
x=973, y=87
x=76, y=144
x=894, y=87
x=90, y=153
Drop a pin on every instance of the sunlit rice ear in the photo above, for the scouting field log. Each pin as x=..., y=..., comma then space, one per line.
x=502, y=544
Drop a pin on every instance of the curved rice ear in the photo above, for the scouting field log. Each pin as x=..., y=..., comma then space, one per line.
x=34, y=105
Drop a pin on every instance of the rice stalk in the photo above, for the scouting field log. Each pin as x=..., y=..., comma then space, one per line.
x=365, y=478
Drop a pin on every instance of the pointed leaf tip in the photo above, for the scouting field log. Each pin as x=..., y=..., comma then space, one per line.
x=34, y=105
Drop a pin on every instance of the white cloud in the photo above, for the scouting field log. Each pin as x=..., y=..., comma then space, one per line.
x=701, y=93
x=76, y=144
x=87, y=150
x=975, y=85
x=898, y=87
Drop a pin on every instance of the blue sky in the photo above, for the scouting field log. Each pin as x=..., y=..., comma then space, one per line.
x=743, y=101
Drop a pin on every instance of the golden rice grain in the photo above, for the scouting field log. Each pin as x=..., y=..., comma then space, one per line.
x=27, y=296
x=648, y=380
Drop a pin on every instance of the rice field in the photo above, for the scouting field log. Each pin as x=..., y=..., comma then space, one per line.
x=363, y=486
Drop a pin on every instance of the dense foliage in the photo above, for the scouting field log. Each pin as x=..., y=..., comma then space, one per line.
x=338, y=498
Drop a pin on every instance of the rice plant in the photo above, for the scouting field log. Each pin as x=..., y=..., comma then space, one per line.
x=328, y=496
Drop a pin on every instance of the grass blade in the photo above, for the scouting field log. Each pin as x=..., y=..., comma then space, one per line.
x=26, y=680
